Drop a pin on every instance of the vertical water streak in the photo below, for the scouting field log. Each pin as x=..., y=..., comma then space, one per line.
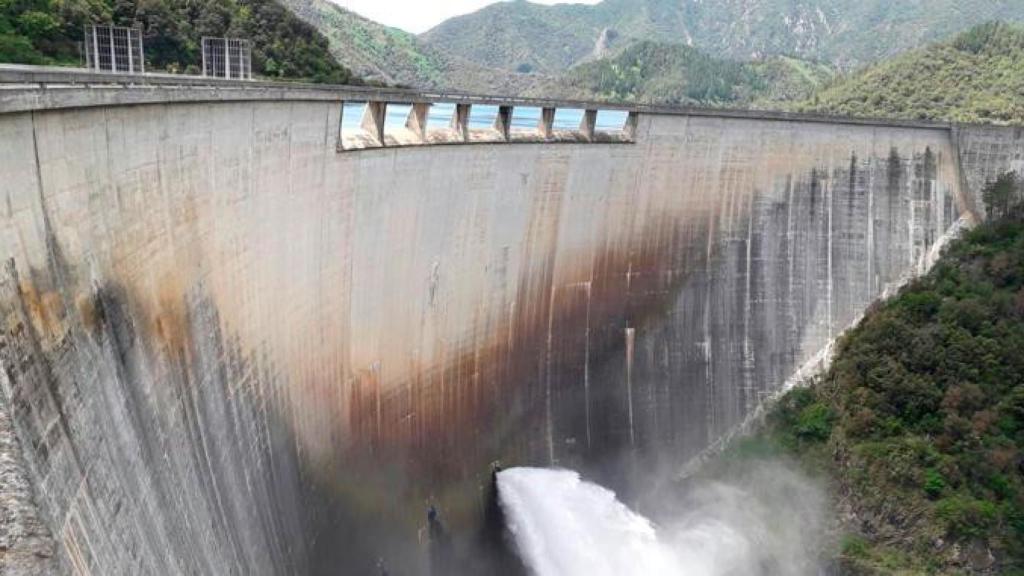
x=586, y=368
x=748, y=348
x=871, y=231
x=630, y=338
x=549, y=416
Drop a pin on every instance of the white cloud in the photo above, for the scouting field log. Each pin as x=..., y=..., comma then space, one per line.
x=420, y=15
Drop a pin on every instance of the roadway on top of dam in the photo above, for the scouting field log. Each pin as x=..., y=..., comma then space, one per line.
x=26, y=88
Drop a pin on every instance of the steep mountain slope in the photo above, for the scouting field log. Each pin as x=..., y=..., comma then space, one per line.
x=389, y=55
x=519, y=35
x=527, y=37
x=645, y=72
x=49, y=32
x=976, y=77
x=659, y=73
x=372, y=50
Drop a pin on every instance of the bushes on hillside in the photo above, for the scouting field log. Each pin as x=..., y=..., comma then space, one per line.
x=976, y=77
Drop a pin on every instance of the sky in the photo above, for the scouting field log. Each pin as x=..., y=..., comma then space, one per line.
x=420, y=15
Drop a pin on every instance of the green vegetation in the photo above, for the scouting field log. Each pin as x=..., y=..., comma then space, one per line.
x=652, y=72
x=919, y=424
x=50, y=32
x=518, y=36
x=379, y=53
x=767, y=54
x=371, y=50
x=551, y=39
x=976, y=77
x=999, y=196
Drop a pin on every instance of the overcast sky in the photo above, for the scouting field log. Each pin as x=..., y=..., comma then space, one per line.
x=420, y=15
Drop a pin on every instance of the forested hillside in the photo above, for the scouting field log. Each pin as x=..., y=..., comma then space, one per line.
x=50, y=32
x=976, y=77
x=522, y=36
x=658, y=73
x=372, y=50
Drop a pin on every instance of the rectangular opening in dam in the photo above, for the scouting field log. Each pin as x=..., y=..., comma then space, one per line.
x=483, y=124
x=441, y=123
x=358, y=128
x=611, y=121
x=525, y=121
x=567, y=119
x=400, y=126
x=440, y=116
x=482, y=117
x=396, y=116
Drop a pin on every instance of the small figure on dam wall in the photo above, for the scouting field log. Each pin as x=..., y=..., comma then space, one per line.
x=439, y=544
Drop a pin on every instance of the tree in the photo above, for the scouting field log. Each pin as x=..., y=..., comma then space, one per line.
x=999, y=195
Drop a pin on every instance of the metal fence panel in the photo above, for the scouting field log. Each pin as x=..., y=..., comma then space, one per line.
x=114, y=49
x=227, y=58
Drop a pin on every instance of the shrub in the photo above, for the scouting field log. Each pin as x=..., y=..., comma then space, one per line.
x=966, y=517
x=854, y=546
x=815, y=422
x=1000, y=194
x=934, y=483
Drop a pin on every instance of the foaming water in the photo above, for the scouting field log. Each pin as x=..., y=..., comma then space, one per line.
x=565, y=526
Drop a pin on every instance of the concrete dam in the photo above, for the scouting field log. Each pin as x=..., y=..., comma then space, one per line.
x=230, y=345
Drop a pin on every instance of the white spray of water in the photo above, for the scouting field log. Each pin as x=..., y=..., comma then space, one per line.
x=565, y=526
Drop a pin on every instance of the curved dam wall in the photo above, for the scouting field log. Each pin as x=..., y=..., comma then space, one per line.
x=229, y=348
